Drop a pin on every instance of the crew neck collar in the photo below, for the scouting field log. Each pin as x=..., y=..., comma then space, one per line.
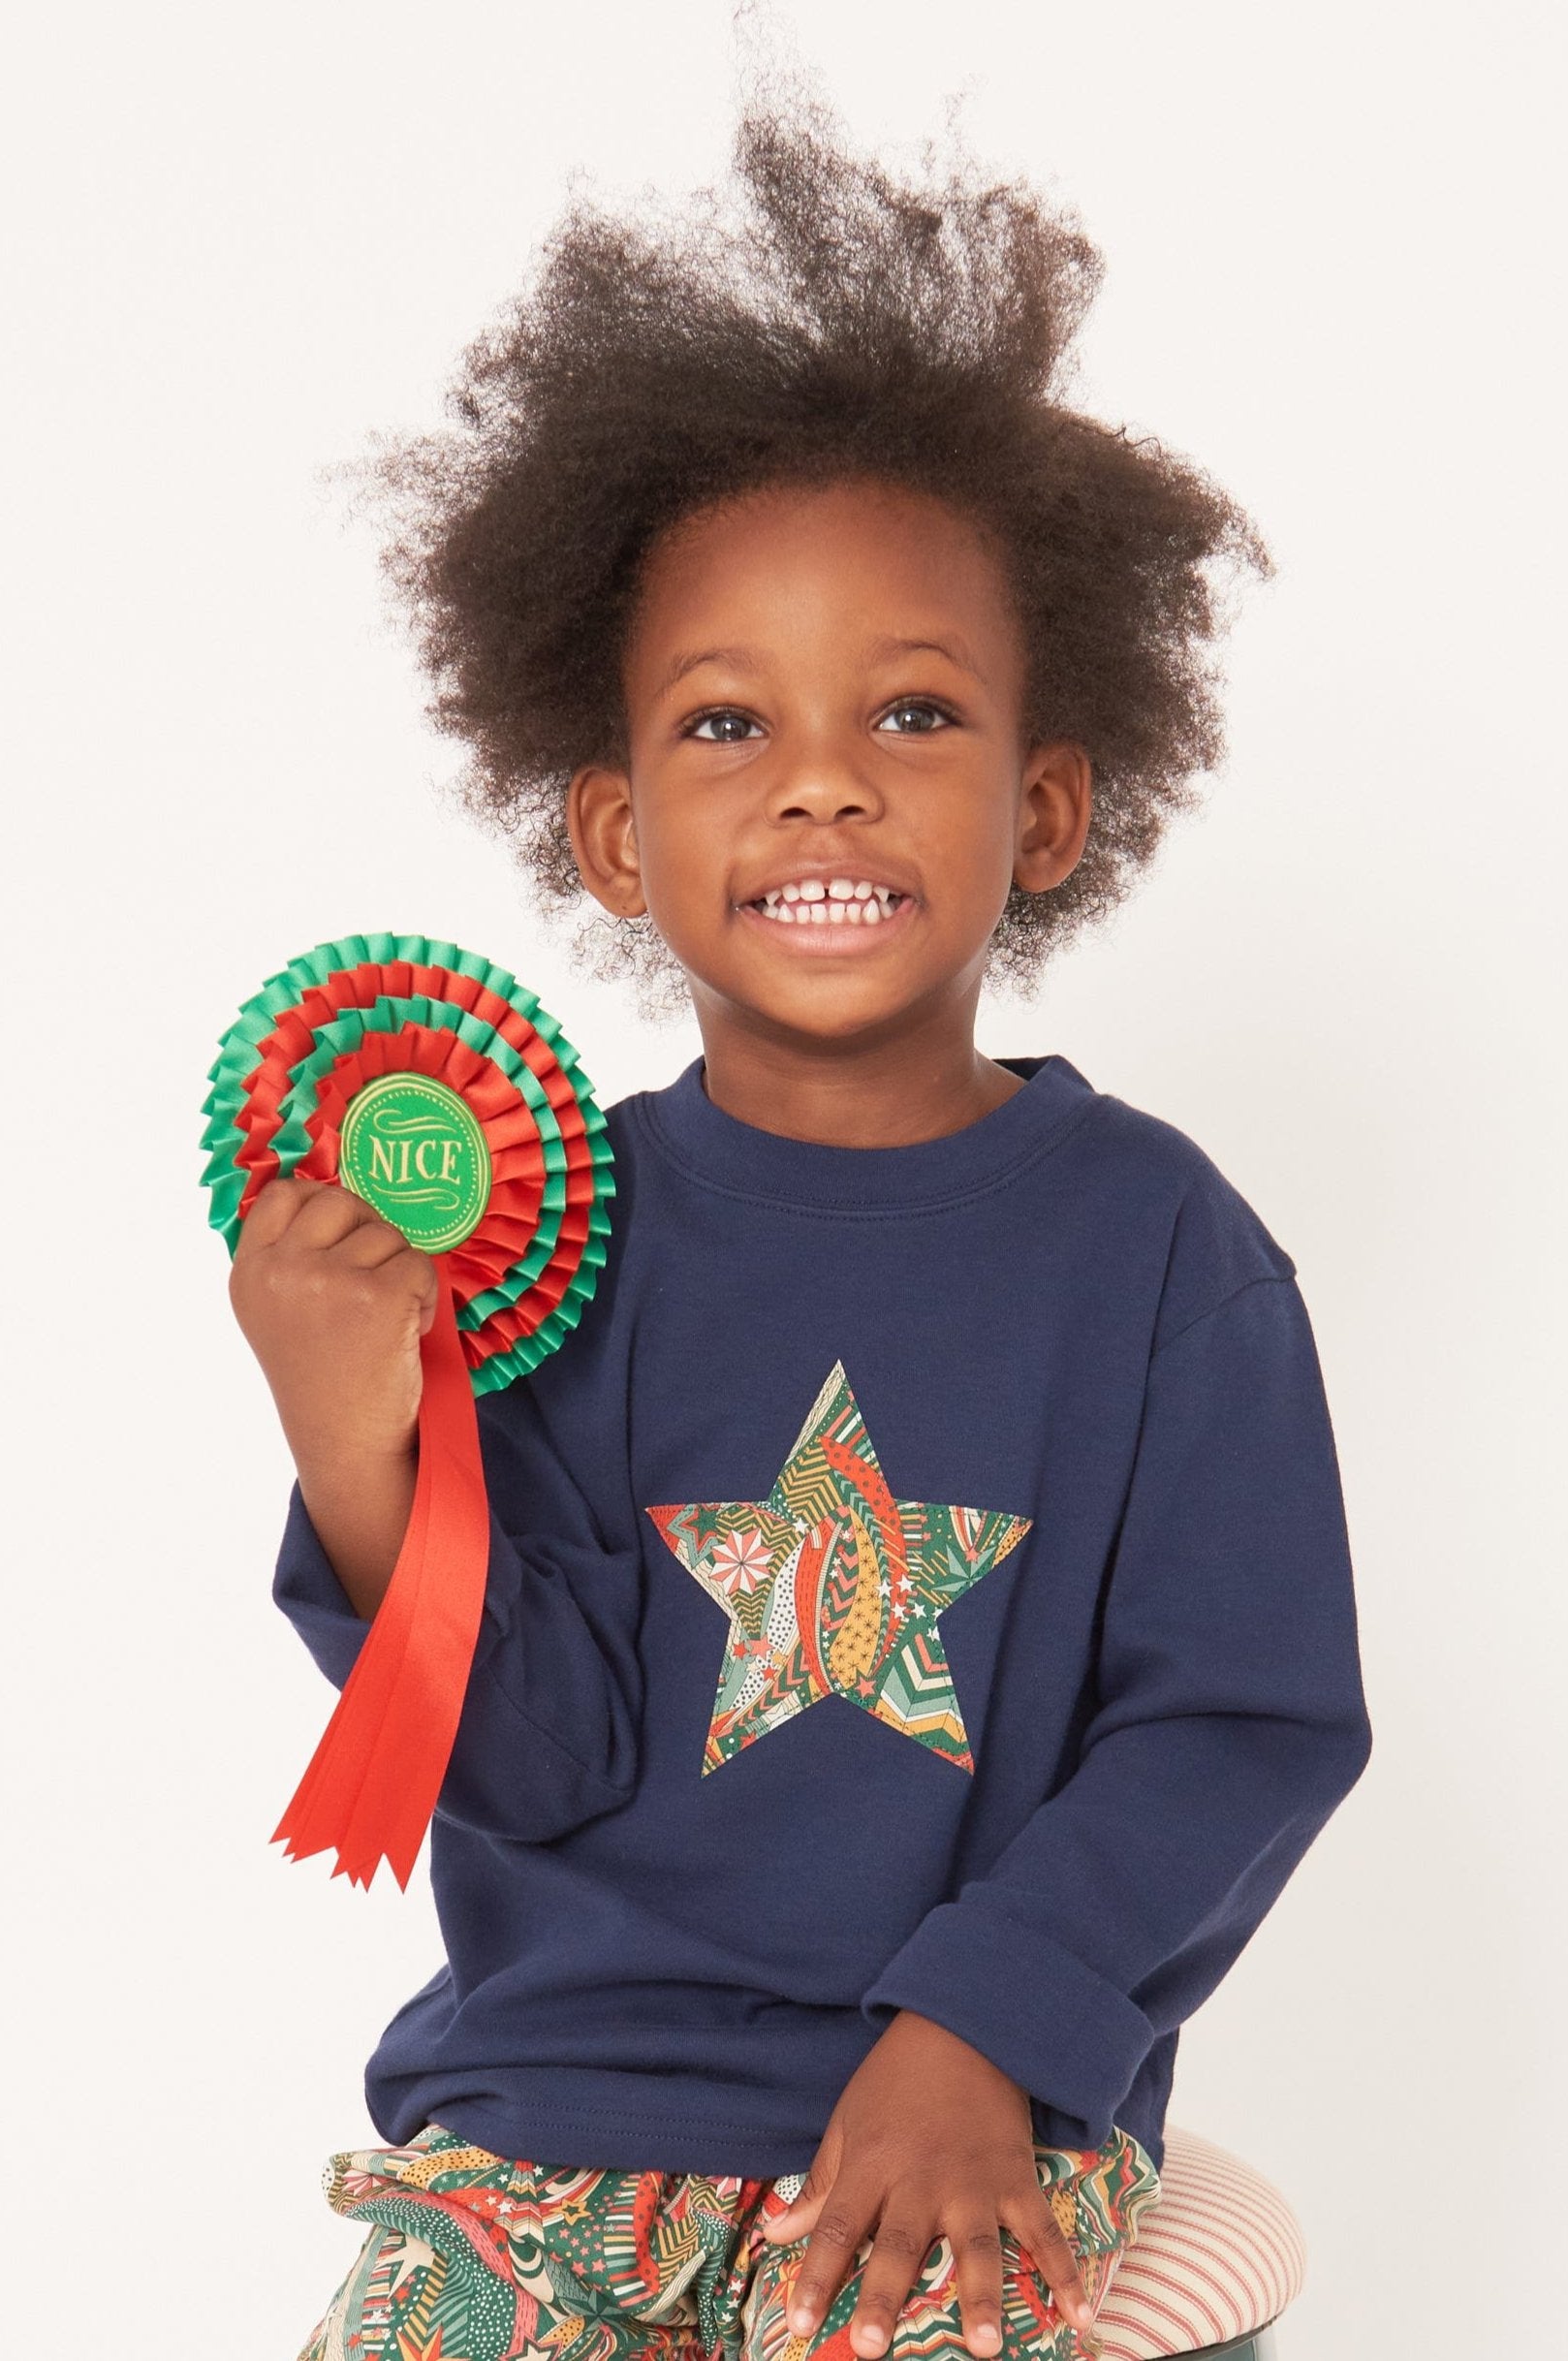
x=742, y=1160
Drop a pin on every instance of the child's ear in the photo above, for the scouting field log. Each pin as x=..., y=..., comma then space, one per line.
x=599, y=822
x=1055, y=803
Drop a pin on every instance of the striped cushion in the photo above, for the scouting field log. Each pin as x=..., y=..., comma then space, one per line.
x=1219, y=2254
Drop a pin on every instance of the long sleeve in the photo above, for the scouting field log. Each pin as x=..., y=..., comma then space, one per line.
x=549, y=1736
x=1229, y=1723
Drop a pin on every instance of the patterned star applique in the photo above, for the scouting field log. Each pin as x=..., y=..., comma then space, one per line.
x=832, y=1585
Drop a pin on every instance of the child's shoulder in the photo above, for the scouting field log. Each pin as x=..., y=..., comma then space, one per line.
x=1218, y=1241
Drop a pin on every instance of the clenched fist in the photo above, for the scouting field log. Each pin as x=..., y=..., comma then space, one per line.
x=333, y=1302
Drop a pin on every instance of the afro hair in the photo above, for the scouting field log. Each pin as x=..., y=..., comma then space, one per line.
x=839, y=324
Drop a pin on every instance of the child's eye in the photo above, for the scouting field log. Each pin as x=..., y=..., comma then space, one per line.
x=918, y=704
x=723, y=712
x=729, y=713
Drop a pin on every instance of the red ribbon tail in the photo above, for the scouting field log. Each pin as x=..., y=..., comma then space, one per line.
x=371, y=1785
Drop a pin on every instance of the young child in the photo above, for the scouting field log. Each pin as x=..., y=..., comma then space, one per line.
x=919, y=1639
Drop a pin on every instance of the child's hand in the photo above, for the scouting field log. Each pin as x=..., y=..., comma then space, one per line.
x=928, y=2139
x=333, y=1302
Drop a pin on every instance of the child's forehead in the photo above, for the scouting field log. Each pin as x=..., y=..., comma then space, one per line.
x=882, y=563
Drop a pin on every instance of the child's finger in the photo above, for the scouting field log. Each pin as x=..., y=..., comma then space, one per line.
x=796, y=2218
x=841, y=2227
x=895, y=2263
x=1037, y=2230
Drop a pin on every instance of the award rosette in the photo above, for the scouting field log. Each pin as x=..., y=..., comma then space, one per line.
x=434, y=1087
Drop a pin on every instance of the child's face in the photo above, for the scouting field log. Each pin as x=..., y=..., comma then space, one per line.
x=776, y=732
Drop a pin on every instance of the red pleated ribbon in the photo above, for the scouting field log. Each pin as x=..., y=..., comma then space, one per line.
x=372, y=1784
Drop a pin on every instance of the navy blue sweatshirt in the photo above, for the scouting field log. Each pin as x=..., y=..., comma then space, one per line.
x=920, y=1582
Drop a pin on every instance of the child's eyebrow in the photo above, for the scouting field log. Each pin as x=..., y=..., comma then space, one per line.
x=740, y=657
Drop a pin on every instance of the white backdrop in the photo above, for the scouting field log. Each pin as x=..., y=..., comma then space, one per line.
x=237, y=241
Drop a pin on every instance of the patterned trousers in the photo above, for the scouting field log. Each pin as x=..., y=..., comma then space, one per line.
x=474, y=2258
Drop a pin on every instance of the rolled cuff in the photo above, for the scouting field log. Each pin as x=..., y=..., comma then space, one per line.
x=1064, y=2034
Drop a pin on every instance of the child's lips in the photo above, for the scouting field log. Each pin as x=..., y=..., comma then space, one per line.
x=816, y=937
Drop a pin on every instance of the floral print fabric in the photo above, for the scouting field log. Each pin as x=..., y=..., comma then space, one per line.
x=833, y=1587
x=470, y=2257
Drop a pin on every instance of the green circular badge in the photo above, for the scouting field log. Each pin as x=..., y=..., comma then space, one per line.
x=416, y=1150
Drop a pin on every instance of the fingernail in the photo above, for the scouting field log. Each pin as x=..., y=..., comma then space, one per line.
x=800, y=2322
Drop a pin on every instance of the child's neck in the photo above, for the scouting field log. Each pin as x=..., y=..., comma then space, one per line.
x=921, y=1084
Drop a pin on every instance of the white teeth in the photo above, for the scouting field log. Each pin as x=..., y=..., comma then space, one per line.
x=838, y=888
x=842, y=898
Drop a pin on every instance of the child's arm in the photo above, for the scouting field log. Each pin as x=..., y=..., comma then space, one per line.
x=359, y=1512
x=549, y=1734
x=1231, y=1722
x=329, y=1298
x=1228, y=1722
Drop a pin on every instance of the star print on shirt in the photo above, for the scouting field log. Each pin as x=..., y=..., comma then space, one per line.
x=831, y=1586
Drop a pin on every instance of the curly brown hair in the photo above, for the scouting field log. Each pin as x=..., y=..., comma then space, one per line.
x=842, y=325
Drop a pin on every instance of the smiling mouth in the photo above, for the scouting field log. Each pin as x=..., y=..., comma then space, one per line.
x=835, y=932
x=835, y=909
